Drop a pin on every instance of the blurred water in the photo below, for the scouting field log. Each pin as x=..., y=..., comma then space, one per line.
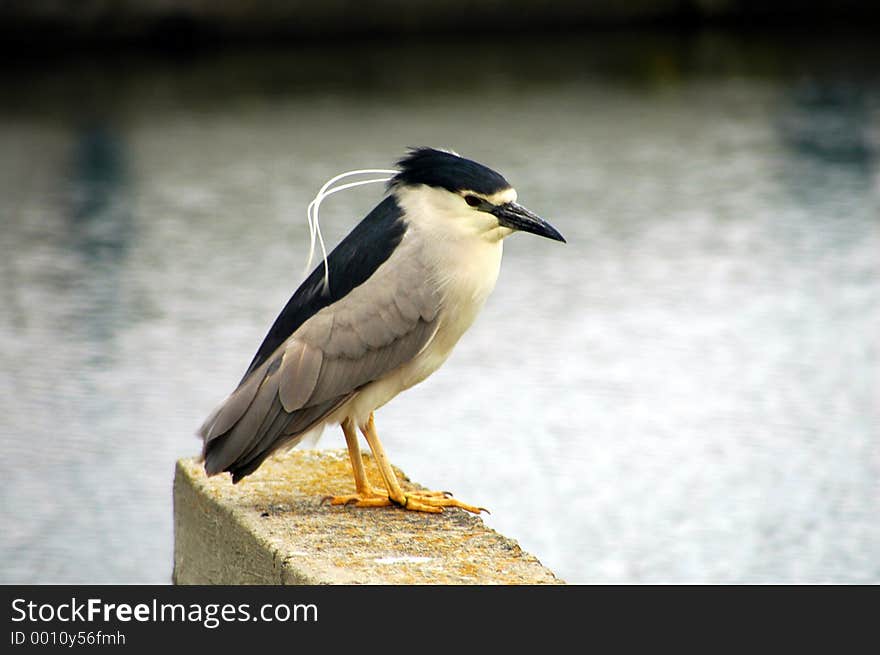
x=685, y=392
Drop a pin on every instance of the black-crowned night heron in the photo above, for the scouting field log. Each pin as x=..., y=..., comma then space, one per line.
x=404, y=286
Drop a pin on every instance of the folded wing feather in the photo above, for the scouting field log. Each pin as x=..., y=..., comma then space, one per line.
x=362, y=337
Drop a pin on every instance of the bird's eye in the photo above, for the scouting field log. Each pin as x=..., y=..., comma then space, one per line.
x=473, y=201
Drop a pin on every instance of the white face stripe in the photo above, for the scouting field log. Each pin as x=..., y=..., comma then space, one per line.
x=498, y=198
x=445, y=217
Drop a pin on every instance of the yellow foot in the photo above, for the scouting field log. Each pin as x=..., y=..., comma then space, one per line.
x=369, y=499
x=418, y=501
x=435, y=501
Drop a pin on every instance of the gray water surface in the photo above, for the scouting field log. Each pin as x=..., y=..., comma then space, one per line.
x=687, y=391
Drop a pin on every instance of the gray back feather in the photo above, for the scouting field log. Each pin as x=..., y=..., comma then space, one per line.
x=377, y=327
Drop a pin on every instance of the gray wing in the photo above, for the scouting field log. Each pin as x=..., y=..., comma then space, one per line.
x=370, y=332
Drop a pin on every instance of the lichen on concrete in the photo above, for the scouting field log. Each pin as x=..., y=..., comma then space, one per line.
x=275, y=528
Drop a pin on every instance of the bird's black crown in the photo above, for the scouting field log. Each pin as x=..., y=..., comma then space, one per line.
x=447, y=170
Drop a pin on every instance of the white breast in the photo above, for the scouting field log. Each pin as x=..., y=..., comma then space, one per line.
x=463, y=249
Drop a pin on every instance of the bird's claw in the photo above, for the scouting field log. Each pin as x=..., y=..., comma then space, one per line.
x=435, y=501
x=422, y=501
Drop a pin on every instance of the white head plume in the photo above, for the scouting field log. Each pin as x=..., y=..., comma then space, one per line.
x=328, y=190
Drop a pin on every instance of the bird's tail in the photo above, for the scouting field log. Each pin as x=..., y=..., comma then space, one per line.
x=251, y=424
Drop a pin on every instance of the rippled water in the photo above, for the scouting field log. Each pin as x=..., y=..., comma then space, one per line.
x=685, y=392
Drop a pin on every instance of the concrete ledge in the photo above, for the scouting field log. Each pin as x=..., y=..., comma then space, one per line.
x=272, y=528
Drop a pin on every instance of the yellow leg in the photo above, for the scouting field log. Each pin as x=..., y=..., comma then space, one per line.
x=422, y=501
x=365, y=495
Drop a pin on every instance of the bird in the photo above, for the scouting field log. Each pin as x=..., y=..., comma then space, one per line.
x=382, y=314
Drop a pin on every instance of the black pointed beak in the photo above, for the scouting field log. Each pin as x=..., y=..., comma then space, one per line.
x=517, y=217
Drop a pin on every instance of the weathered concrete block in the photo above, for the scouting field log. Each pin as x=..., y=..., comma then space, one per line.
x=273, y=528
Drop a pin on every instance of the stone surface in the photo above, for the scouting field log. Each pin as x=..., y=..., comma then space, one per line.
x=274, y=528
